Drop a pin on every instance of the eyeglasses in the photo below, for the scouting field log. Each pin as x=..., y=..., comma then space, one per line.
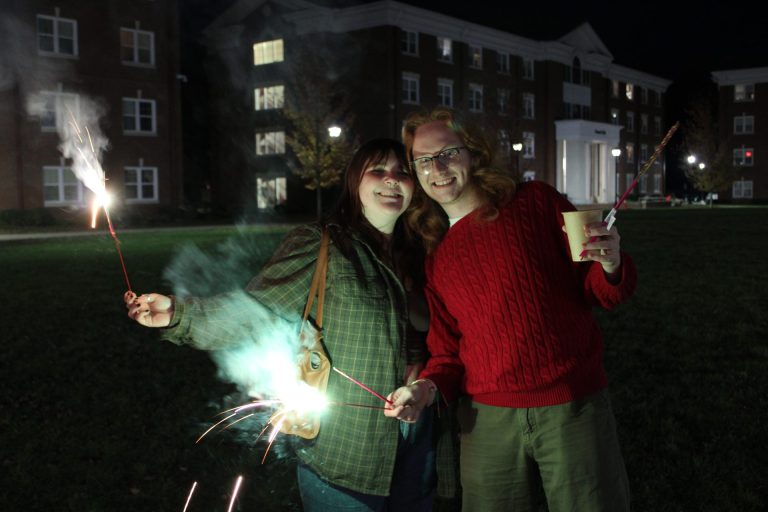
x=424, y=166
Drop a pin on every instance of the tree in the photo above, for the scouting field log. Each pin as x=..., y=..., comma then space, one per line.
x=713, y=170
x=316, y=102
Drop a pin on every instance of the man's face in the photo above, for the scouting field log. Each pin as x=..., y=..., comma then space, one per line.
x=447, y=182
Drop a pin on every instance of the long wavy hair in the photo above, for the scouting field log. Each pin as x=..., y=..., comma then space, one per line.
x=403, y=251
x=494, y=187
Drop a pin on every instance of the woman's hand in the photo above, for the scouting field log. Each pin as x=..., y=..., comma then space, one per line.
x=408, y=401
x=605, y=249
x=150, y=310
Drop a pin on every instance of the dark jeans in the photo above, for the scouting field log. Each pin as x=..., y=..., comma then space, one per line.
x=413, y=480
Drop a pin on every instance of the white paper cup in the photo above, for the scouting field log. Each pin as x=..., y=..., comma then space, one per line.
x=574, y=227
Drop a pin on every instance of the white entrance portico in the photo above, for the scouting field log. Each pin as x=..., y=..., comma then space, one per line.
x=585, y=169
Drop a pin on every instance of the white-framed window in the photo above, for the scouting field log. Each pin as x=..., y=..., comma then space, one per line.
x=529, y=145
x=656, y=125
x=54, y=109
x=742, y=189
x=502, y=99
x=56, y=36
x=445, y=92
x=743, y=124
x=475, y=98
x=137, y=47
x=644, y=123
x=643, y=184
x=140, y=184
x=629, y=92
x=628, y=179
x=528, y=69
x=270, y=143
x=744, y=92
x=576, y=111
x=529, y=105
x=444, y=49
x=502, y=62
x=615, y=116
x=475, y=56
x=614, y=88
x=630, y=125
x=409, y=42
x=630, y=152
x=267, y=52
x=269, y=97
x=529, y=176
x=657, y=183
x=643, y=153
x=505, y=144
x=410, y=91
x=643, y=95
x=271, y=192
x=743, y=157
x=61, y=187
x=139, y=116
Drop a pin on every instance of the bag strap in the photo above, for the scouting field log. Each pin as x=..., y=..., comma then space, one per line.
x=318, y=281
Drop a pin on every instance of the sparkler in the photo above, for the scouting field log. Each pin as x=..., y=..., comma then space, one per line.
x=611, y=217
x=88, y=170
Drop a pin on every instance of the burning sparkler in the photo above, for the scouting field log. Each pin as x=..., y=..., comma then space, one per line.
x=611, y=217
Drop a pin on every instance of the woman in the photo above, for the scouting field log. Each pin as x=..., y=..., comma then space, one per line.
x=360, y=459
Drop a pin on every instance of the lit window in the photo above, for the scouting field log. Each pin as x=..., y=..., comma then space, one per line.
x=529, y=105
x=267, y=98
x=529, y=176
x=137, y=47
x=445, y=92
x=270, y=143
x=56, y=36
x=630, y=152
x=743, y=157
x=271, y=192
x=475, y=98
x=140, y=184
x=444, y=49
x=528, y=69
x=629, y=91
x=61, y=187
x=139, y=116
x=475, y=57
x=268, y=52
x=502, y=62
x=529, y=145
x=743, y=124
x=409, y=42
x=410, y=93
x=744, y=92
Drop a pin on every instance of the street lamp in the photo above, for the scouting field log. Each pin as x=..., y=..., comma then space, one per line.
x=691, y=159
x=518, y=148
x=701, y=166
x=616, y=152
x=334, y=131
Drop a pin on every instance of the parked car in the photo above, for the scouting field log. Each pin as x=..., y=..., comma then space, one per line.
x=657, y=199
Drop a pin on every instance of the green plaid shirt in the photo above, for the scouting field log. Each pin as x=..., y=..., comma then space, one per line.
x=364, y=324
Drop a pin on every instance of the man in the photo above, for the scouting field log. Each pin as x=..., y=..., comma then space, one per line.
x=511, y=328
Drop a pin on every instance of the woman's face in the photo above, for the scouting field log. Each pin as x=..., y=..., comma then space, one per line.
x=385, y=191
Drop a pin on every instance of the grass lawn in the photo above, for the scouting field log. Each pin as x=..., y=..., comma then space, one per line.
x=99, y=415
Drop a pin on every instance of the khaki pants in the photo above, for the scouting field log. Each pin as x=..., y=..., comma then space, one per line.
x=568, y=454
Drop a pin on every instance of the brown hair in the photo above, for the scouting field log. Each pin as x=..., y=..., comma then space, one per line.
x=493, y=186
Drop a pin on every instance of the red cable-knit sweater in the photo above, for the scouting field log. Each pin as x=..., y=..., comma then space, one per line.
x=511, y=315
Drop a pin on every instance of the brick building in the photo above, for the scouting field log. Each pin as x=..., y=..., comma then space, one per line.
x=556, y=108
x=121, y=56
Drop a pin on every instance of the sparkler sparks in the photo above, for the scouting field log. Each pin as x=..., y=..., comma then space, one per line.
x=189, y=497
x=234, y=492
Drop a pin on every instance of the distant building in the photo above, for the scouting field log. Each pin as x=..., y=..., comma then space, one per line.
x=122, y=55
x=556, y=108
x=743, y=115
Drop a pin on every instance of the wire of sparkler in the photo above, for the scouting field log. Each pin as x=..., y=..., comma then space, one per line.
x=611, y=217
x=117, y=246
x=362, y=386
x=189, y=498
x=234, y=492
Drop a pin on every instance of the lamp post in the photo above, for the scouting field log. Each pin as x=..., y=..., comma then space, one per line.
x=518, y=148
x=616, y=152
